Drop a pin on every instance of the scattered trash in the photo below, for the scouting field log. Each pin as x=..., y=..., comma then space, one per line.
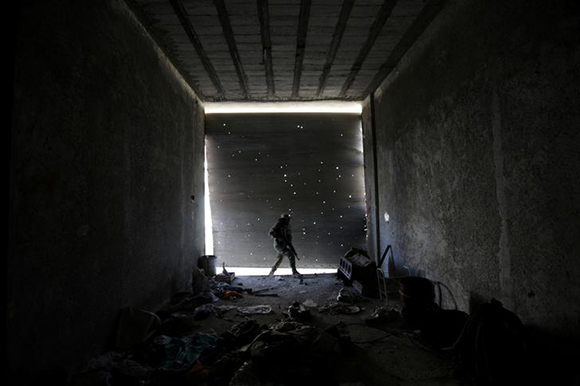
x=222, y=287
x=131, y=368
x=286, y=325
x=225, y=368
x=263, y=289
x=229, y=295
x=248, y=353
x=298, y=311
x=135, y=326
x=198, y=373
x=181, y=353
x=223, y=309
x=101, y=369
x=240, y=334
x=271, y=343
x=382, y=316
x=120, y=363
x=227, y=291
x=290, y=342
x=205, y=297
x=259, y=292
x=199, y=282
x=349, y=295
x=252, y=310
x=245, y=376
x=358, y=268
x=178, y=323
x=225, y=276
x=188, y=304
x=309, y=303
x=204, y=311
x=162, y=340
x=348, y=309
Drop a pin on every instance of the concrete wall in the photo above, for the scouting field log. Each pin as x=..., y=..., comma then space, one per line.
x=107, y=149
x=479, y=160
x=373, y=236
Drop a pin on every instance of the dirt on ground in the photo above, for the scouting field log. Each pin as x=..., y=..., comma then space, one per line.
x=275, y=330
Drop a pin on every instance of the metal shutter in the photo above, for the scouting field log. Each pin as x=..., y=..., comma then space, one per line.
x=263, y=165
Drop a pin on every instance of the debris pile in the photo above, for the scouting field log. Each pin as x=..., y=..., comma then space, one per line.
x=247, y=353
x=439, y=327
x=167, y=347
x=358, y=269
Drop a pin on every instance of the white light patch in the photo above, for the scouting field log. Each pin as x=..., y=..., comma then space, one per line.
x=337, y=107
x=248, y=271
x=207, y=209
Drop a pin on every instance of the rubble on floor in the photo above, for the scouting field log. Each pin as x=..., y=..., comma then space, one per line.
x=315, y=331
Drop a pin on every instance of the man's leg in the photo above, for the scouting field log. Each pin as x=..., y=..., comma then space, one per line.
x=278, y=262
x=292, y=259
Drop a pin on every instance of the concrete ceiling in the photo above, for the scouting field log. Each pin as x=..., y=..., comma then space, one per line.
x=285, y=50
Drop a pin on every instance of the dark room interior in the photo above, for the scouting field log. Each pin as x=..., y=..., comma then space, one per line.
x=439, y=138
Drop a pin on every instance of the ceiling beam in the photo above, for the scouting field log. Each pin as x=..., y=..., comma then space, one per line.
x=374, y=31
x=229, y=35
x=336, y=38
x=300, y=45
x=264, y=16
x=154, y=34
x=427, y=14
x=183, y=17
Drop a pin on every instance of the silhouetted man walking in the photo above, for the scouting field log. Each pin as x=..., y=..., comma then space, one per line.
x=282, y=234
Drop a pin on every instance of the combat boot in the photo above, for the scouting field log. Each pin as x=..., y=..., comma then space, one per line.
x=295, y=273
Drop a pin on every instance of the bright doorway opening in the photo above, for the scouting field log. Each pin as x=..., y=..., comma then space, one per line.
x=260, y=164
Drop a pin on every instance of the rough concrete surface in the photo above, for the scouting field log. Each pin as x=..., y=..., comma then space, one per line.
x=478, y=161
x=107, y=150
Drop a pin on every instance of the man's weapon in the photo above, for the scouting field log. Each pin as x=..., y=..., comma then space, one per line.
x=289, y=246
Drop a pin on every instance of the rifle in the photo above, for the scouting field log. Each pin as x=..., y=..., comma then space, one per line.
x=290, y=246
x=276, y=234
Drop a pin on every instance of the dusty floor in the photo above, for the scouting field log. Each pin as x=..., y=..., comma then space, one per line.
x=344, y=349
x=382, y=355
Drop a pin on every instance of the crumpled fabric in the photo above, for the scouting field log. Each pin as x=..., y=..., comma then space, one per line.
x=181, y=353
x=229, y=295
x=258, y=309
